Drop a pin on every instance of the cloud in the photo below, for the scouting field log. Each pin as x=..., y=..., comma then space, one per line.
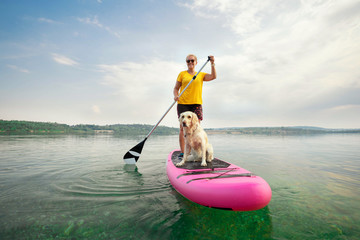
x=341, y=115
x=140, y=80
x=19, y=69
x=95, y=22
x=142, y=90
x=289, y=55
x=63, y=60
x=96, y=109
x=242, y=17
x=47, y=20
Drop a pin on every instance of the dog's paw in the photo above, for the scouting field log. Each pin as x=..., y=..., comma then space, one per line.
x=180, y=164
x=203, y=164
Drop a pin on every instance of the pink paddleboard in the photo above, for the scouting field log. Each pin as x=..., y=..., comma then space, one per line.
x=219, y=185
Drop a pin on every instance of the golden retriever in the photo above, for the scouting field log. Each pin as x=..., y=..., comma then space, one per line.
x=196, y=142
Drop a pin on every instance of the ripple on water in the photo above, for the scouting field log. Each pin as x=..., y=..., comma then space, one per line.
x=123, y=182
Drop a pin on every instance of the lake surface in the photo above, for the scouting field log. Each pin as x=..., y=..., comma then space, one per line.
x=78, y=187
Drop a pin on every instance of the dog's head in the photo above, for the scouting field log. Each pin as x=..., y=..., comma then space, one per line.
x=188, y=120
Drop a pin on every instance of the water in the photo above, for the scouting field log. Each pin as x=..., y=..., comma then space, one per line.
x=77, y=187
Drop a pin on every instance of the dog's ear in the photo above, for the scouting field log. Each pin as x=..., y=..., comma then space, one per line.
x=181, y=114
x=194, y=119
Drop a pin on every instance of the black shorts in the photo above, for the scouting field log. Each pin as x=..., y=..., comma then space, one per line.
x=195, y=108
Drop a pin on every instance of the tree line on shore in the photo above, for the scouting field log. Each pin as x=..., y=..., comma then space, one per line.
x=29, y=127
x=280, y=130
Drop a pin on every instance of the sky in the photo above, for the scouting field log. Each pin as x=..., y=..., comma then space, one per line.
x=278, y=62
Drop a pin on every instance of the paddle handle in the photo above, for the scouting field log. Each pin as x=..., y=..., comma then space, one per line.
x=157, y=124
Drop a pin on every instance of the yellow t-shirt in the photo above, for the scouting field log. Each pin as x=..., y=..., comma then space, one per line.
x=193, y=94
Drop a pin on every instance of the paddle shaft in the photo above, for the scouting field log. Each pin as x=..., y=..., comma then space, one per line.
x=157, y=124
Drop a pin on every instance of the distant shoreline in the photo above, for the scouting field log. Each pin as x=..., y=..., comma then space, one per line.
x=281, y=131
x=29, y=127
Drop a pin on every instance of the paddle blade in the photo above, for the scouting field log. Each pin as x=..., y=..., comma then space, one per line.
x=133, y=154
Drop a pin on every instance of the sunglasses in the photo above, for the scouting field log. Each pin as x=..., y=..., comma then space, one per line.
x=191, y=60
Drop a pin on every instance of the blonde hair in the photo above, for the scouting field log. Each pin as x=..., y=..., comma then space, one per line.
x=191, y=55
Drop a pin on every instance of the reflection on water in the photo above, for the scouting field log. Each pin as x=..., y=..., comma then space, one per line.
x=207, y=223
x=79, y=187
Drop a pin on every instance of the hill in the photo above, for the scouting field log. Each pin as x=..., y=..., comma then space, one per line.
x=26, y=127
x=298, y=130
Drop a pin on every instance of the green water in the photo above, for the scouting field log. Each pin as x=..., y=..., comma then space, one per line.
x=77, y=187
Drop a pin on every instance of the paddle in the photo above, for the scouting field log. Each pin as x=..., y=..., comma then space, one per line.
x=132, y=156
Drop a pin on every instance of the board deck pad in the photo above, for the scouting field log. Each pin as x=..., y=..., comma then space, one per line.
x=191, y=165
